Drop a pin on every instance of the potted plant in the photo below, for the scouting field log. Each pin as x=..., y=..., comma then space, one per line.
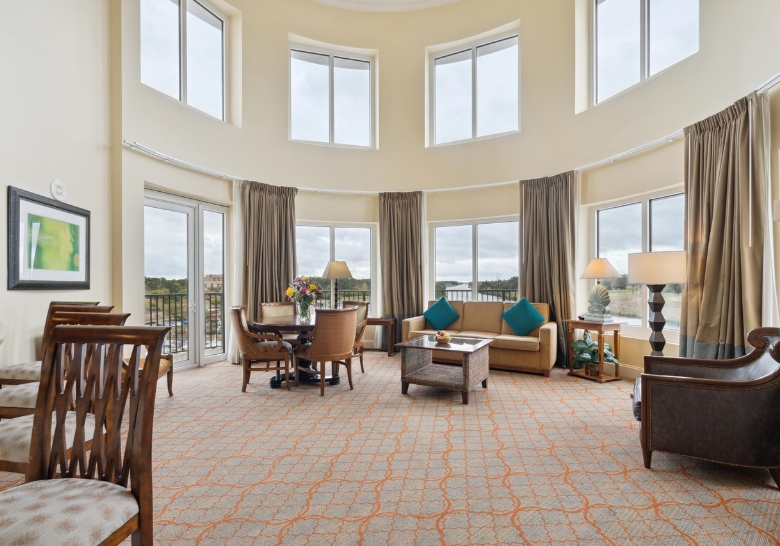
x=586, y=353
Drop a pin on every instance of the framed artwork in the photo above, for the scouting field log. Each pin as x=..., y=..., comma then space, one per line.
x=48, y=243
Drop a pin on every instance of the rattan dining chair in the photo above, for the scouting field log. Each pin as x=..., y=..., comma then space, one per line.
x=281, y=309
x=253, y=347
x=332, y=340
x=30, y=372
x=70, y=497
x=19, y=400
x=360, y=332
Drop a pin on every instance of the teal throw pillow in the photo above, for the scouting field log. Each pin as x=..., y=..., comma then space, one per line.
x=441, y=314
x=522, y=318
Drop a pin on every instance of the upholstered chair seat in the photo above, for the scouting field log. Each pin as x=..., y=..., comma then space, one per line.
x=272, y=345
x=15, y=435
x=26, y=372
x=70, y=511
x=19, y=396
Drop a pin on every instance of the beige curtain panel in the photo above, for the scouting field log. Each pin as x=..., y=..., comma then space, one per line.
x=548, y=220
x=269, y=242
x=724, y=180
x=402, y=250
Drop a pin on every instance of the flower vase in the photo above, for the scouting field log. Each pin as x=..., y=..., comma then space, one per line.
x=304, y=311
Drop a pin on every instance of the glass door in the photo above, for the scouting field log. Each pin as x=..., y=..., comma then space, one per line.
x=169, y=266
x=184, y=265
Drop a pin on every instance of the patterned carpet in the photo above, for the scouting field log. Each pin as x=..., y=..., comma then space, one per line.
x=528, y=461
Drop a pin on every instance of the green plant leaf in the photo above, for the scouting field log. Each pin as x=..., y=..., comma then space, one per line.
x=583, y=357
x=579, y=345
x=586, y=337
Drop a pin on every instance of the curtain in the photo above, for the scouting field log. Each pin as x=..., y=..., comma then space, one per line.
x=547, y=233
x=268, y=229
x=402, y=243
x=725, y=208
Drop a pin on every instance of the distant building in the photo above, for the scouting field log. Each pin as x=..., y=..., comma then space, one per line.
x=213, y=282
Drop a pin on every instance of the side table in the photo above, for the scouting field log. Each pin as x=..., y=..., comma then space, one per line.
x=388, y=323
x=601, y=328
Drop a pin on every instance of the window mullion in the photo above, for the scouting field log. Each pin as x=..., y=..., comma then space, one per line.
x=183, y=50
x=474, y=92
x=474, y=265
x=644, y=37
x=330, y=102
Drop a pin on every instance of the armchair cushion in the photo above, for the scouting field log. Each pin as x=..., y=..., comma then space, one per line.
x=19, y=396
x=73, y=511
x=441, y=314
x=29, y=371
x=522, y=318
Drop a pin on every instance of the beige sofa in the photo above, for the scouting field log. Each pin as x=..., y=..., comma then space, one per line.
x=482, y=319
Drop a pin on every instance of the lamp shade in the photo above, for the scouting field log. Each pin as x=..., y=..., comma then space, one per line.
x=657, y=267
x=337, y=270
x=600, y=268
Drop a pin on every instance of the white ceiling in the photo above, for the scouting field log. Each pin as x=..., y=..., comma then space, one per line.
x=384, y=5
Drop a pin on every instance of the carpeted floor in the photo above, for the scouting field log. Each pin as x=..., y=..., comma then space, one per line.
x=530, y=460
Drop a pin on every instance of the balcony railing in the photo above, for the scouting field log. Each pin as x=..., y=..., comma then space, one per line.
x=172, y=310
x=482, y=295
x=345, y=295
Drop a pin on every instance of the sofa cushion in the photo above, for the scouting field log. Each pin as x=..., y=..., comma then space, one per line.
x=482, y=316
x=542, y=308
x=456, y=326
x=517, y=343
x=523, y=318
x=478, y=335
x=441, y=314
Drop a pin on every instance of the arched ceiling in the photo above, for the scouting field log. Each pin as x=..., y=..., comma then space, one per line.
x=384, y=5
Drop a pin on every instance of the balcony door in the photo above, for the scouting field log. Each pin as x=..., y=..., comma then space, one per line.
x=185, y=277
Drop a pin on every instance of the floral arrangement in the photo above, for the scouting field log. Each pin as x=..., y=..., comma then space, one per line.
x=304, y=292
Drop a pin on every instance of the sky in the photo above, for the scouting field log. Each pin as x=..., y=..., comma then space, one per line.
x=166, y=243
x=674, y=35
x=497, y=254
x=353, y=245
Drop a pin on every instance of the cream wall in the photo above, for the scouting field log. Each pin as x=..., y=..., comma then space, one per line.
x=54, y=107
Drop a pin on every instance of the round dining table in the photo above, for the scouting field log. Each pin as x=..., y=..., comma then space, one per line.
x=292, y=324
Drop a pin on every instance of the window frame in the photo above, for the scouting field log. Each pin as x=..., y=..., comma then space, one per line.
x=374, y=231
x=183, y=58
x=473, y=45
x=474, y=249
x=643, y=331
x=332, y=54
x=644, y=49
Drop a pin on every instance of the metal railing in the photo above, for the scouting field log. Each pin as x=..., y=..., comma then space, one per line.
x=482, y=294
x=172, y=310
x=344, y=295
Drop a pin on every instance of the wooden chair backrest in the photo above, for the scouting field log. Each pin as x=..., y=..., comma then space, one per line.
x=83, y=369
x=334, y=334
x=246, y=345
x=362, y=316
x=278, y=309
x=68, y=307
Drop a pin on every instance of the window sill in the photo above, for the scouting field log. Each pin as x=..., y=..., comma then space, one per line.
x=332, y=144
x=476, y=139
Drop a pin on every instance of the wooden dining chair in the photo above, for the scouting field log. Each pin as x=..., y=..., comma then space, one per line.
x=281, y=309
x=75, y=498
x=253, y=348
x=332, y=340
x=19, y=400
x=30, y=372
x=360, y=332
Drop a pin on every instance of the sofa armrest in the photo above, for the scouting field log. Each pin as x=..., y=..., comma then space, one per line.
x=548, y=343
x=410, y=325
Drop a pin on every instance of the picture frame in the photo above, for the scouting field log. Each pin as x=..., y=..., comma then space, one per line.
x=48, y=243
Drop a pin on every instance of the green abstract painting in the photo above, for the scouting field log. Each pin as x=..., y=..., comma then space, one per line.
x=53, y=244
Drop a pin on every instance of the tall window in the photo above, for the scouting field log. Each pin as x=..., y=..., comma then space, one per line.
x=636, y=39
x=183, y=52
x=652, y=225
x=330, y=98
x=476, y=91
x=318, y=245
x=487, y=252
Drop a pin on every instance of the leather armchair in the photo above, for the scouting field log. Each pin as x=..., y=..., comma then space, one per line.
x=724, y=411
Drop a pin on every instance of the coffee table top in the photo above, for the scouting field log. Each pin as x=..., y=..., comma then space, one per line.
x=456, y=344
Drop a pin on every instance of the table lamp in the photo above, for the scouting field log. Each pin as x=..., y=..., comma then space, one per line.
x=656, y=270
x=336, y=270
x=598, y=310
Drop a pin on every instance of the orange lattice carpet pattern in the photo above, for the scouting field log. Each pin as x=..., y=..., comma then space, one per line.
x=529, y=461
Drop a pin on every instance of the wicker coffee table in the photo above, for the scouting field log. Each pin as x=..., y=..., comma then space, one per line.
x=417, y=365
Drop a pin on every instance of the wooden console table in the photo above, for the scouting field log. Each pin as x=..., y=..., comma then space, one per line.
x=388, y=323
x=601, y=328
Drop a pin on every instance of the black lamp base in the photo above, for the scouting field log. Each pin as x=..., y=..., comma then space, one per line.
x=656, y=321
